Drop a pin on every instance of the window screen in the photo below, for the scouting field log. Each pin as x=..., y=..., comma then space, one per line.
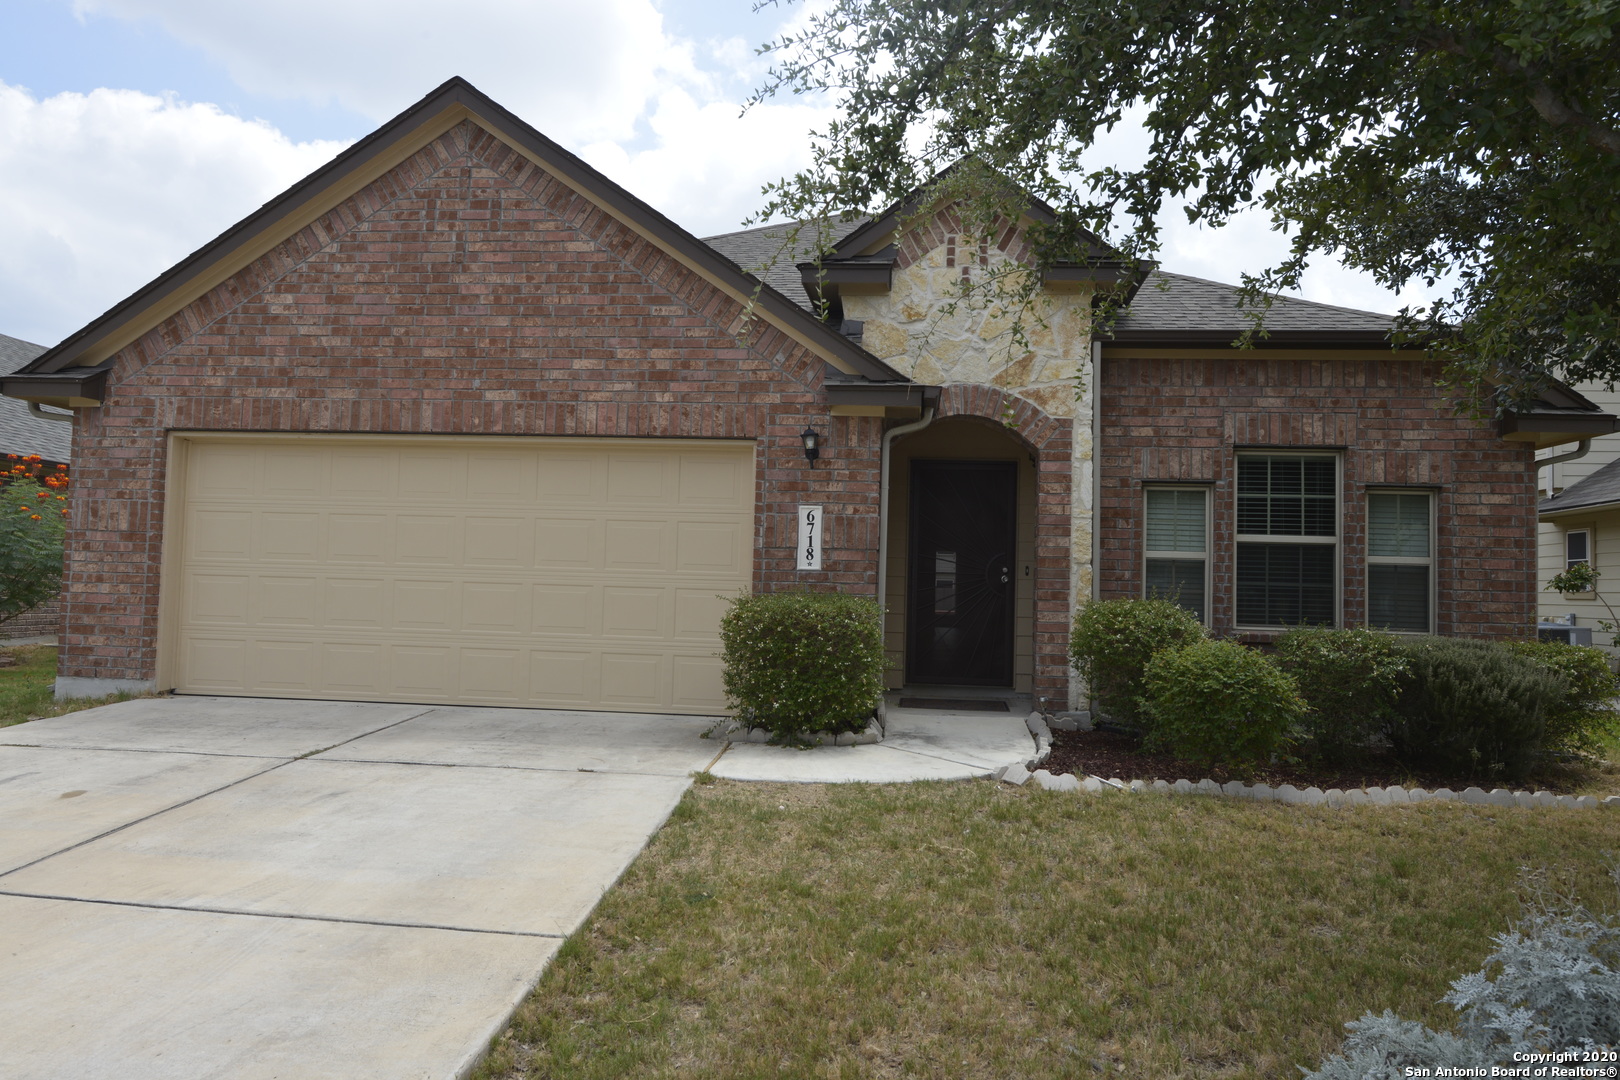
x=1287, y=542
x=1399, y=562
x=1175, y=541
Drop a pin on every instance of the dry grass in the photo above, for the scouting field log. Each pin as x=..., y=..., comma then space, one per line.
x=975, y=930
x=27, y=691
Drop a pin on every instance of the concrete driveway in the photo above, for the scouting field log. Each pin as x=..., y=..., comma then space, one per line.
x=217, y=887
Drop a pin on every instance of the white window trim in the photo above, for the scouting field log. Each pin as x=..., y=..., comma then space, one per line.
x=1407, y=560
x=1209, y=539
x=1272, y=538
x=1591, y=558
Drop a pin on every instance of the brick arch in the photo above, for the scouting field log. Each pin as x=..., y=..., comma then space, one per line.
x=1050, y=441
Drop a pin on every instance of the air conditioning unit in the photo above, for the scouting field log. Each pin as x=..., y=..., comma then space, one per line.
x=1569, y=635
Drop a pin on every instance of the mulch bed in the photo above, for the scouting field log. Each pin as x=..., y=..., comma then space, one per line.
x=1111, y=755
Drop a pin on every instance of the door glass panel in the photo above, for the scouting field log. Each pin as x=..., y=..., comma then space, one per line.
x=944, y=583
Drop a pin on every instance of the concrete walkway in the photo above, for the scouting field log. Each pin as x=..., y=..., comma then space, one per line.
x=219, y=887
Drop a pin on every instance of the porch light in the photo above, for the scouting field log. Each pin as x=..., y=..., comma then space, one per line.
x=812, y=445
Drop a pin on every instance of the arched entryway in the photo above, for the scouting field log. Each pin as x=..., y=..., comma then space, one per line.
x=961, y=580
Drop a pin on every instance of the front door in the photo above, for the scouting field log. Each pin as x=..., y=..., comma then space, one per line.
x=959, y=620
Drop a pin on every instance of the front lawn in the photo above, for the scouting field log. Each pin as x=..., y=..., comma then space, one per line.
x=27, y=690
x=977, y=930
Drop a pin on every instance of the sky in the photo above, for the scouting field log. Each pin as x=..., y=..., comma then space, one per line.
x=134, y=131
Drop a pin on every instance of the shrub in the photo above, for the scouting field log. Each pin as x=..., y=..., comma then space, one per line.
x=1472, y=708
x=33, y=519
x=799, y=662
x=1349, y=680
x=1220, y=703
x=1582, y=717
x=1551, y=987
x=1112, y=643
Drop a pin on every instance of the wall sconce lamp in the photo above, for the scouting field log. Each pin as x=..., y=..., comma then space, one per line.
x=812, y=445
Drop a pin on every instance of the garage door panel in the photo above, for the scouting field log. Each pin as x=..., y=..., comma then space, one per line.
x=282, y=600
x=633, y=679
x=498, y=541
x=697, y=683
x=222, y=599
x=287, y=537
x=494, y=606
x=425, y=605
x=568, y=544
x=355, y=602
x=566, y=609
x=220, y=535
x=571, y=573
x=362, y=474
x=635, y=545
x=425, y=540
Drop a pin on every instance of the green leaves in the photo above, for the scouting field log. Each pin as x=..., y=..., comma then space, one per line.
x=1473, y=141
x=803, y=662
x=32, y=525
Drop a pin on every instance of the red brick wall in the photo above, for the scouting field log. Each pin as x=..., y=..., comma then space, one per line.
x=465, y=292
x=1181, y=419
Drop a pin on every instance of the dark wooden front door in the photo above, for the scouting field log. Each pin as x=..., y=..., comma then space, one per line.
x=959, y=619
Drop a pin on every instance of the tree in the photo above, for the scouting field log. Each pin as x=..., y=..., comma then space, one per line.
x=1415, y=139
x=33, y=519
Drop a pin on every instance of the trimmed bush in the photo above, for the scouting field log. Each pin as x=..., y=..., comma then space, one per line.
x=1349, y=680
x=1472, y=708
x=801, y=662
x=1580, y=720
x=1112, y=643
x=1219, y=703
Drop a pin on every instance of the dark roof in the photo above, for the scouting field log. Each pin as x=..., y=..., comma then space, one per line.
x=21, y=432
x=1602, y=488
x=763, y=248
x=1177, y=309
x=453, y=99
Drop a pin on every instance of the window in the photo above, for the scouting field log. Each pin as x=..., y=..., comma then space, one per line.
x=1400, y=564
x=1177, y=543
x=1287, y=539
x=1577, y=547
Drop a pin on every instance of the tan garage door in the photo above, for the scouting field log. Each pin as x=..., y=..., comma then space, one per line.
x=581, y=573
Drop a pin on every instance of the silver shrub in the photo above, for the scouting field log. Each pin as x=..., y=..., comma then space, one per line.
x=1552, y=985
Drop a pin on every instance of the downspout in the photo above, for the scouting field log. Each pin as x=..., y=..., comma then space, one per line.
x=883, y=517
x=39, y=410
x=1580, y=451
x=1096, y=470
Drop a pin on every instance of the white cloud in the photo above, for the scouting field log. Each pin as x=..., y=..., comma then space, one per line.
x=578, y=71
x=104, y=190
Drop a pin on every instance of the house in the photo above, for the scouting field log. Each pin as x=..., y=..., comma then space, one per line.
x=458, y=419
x=1571, y=530
x=1581, y=524
x=23, y=431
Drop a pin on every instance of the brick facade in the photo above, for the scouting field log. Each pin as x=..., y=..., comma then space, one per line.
x=1181, y=419
x=464, y=292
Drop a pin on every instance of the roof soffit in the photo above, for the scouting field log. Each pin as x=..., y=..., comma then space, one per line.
x=384, y=149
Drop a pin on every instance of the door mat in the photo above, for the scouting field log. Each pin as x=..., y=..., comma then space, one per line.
x=954, y=704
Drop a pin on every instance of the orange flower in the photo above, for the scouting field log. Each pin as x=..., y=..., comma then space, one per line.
x=33, y=517
x=24, y=508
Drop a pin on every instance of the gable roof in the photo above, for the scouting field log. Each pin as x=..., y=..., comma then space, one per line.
x=371, y=157
x=1175, y=309
x=1600, y=489
x=21, y=432
x=766, y=252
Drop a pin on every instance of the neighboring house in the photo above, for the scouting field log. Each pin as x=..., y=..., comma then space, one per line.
x=21, y=431
x=1582, y=524
x=458, y=419
x=1558, y=549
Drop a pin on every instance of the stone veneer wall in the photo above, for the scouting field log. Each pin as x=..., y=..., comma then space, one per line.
x=909, y=328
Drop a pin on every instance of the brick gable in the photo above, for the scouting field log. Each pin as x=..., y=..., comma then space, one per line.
x=465, y=291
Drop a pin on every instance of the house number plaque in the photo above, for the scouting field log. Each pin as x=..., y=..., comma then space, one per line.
x=809, y=538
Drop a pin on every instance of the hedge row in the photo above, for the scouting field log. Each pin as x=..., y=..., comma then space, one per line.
x=1472, y=708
